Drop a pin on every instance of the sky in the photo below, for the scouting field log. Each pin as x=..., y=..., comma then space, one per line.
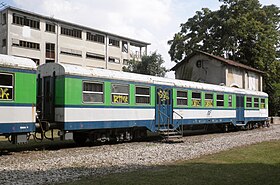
x=152, y=21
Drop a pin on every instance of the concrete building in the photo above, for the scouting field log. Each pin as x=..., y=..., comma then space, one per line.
x=45, y=39
x=204, y=67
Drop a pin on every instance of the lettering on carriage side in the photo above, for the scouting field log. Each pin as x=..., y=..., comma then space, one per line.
x=120, y=98
x=196, y=103
x=4, y=93
x=163, y=95
x=209, y=112
x=208, y=103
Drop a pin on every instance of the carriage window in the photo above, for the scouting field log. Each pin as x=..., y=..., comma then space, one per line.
x=120, y=93
x=249, y=102
x=142, y=95
x=220, y=100
x=229, y=100
x=196, y=99
x=6, y=86
x=262, y=103
x=256, y=102
x=93, y=92
x=182, y=97
x=208, y=100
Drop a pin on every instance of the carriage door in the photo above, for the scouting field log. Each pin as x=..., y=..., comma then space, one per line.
x=164, y=108
x=48, y=98
x=239, y=109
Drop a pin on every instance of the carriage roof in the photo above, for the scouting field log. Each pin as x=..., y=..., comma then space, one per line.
x=17, y=62
x=66, y=69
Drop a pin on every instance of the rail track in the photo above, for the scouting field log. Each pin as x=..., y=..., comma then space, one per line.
x=64, y=162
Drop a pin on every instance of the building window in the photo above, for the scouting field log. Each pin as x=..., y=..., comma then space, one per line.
x=114, y=42
x=36, y=61
x=120, y=93
x=26, y=44
x=114, y=60
x=50, y=27
x=6, y=86
x=196, y=99
x=220, y=100
x=142, y=95
x=95, y=56
x=4, y=43
x=182, y=97
x=71, y=32
x=249, y=102
x=72, y=52
x=124, y=47
x=229, y=100
x=26, y=21
x=256, y=102
x=4, y=19
x=95, y=37
x=263, y=103
x=50, y=50
x=125, y=62
x=93, y=92
x=208, y=100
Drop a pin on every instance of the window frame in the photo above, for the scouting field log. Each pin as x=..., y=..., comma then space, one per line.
x=93, y=92
x=200, y=99
x=113, y=93
x=207, y=99
x=262, y=104
x=182, y=98
x=251, y=101
x=256, y=103
x=219, y=100
x=11, y=87
x=50, y=26
x=114, y=42
x=230, y=103
x=142, y=95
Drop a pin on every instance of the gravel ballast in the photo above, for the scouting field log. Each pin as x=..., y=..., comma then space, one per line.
x=42, y=167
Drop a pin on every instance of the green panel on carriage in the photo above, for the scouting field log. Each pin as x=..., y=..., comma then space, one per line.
x=132, y=94
x=60, y=90
x=73, y=91
x=25, y=88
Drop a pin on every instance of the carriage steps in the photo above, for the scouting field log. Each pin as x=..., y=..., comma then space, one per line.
x=170, y=135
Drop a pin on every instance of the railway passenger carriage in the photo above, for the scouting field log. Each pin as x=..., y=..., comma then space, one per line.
x=101, y=104
x=17, y=97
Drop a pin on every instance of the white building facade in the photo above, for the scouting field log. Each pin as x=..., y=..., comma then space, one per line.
x=44, y=39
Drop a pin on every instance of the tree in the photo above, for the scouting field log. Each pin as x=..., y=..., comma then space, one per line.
x=149, y=65
x=244, y=30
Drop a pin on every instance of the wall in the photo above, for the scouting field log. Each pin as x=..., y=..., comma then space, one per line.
x=19, y=32
x=208, y=71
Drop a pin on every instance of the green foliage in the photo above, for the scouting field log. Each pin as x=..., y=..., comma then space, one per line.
x=149, y=65
x=244, y=30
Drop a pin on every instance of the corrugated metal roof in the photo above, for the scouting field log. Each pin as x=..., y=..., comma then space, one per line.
x=221, y=59
x=17, y=62
x=67, y=69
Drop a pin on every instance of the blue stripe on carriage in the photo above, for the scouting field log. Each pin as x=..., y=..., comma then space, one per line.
x=2, y=104
x=108, y=124
x=105, y=106
x=9, y=128
x=18, y=70
x=149, y=124
x=137, y=107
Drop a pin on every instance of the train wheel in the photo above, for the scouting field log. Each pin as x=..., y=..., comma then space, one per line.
x=80, y=138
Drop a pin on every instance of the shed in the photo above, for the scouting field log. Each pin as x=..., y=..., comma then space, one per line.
x=207, y=68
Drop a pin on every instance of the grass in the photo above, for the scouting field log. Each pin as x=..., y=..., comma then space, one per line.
x=257, y=164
